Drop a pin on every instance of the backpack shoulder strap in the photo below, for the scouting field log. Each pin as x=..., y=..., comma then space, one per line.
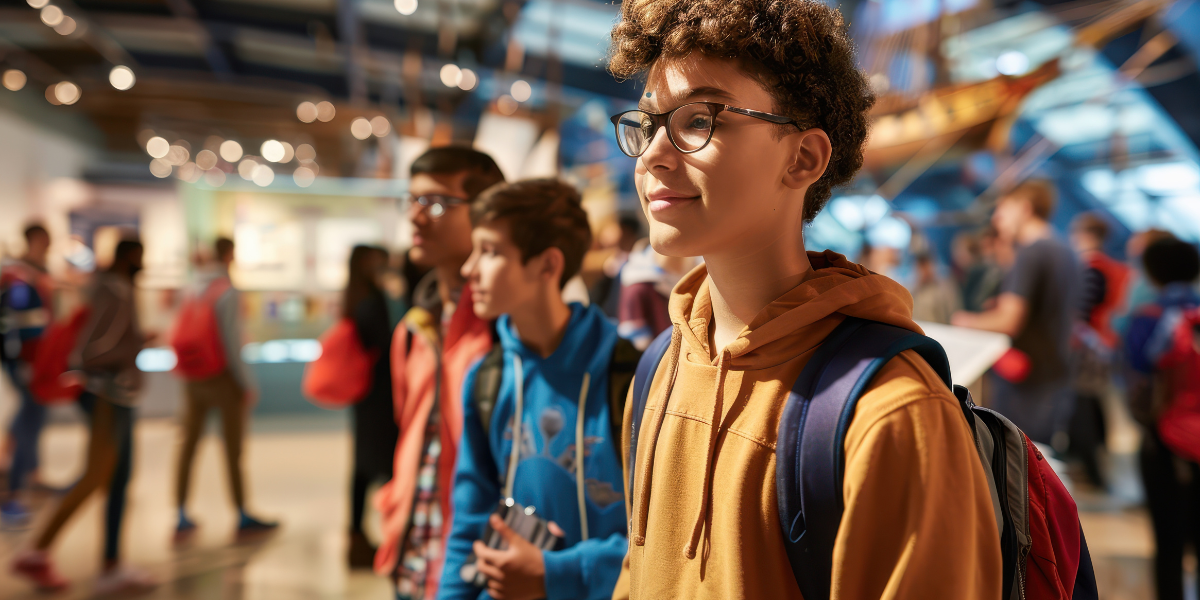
x=647, y=366
x=487, y=385
x=621, y=368
x=809, y=461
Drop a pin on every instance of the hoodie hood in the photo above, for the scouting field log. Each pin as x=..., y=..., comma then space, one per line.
x=586, y=345
x=834, y=286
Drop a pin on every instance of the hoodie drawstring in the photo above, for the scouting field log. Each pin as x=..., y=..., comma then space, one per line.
x=642, y=482
x=579, y=454
x=515, y=456
x=714, y=433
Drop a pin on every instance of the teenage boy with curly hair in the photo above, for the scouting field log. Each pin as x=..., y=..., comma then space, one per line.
x=752, y=111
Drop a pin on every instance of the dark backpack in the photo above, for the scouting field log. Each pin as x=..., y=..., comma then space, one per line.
x=1042, y=544
x=625, y=360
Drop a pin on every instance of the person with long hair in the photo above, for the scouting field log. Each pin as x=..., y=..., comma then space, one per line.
x=375, y=430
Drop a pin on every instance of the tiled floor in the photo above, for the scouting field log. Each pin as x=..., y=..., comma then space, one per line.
x=297, y=472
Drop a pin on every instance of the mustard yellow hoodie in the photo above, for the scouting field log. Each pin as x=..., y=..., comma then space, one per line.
x=704, y=523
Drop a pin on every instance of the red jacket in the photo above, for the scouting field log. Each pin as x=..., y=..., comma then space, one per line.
x=414, y=365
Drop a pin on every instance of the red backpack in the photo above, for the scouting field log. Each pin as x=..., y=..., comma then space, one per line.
x=197, y=335
x=49, y=382
x=1045, y=556
x=341, y=376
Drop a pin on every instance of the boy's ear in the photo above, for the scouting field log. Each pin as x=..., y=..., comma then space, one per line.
x=810, y=155
x=551, y=264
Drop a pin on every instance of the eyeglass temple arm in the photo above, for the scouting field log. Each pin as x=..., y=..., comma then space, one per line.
x=780, y=119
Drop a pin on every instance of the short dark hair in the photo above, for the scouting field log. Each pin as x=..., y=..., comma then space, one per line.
x=125, y=249
x=33, y=230
x=482, y=171
x=540, y=213
x=1041, y=194
x=799, y=50
x=1092, y=224
x=1170, y=260
x=222, y=247
x=629, y=223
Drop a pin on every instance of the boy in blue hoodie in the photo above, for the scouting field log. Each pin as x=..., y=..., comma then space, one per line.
x=556, y=374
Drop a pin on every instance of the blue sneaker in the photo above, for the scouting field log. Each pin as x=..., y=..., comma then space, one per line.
x=184, y=529
x=13, y=516
x=249, y=526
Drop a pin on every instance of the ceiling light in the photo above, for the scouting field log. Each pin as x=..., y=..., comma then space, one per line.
x=521, y=90
x=121, y=77
x=380, y=126
x=14, y=79
x=288, y=153
x=67, y=92
x=468, y=80
x=506, y=105
x=360, y=128
x=263, y=176
x=404, y=7
x=177, y=155
x=305, y=152
x=66, y=26
x=306, y=111
x=272, y=150
x=160, y=168
x=231, y=151
x=158, y=147
x=450, y=75
x=325, y=111
x=206, y=159
x=38, y=3
x=304, y=176
x=52, y=15
x=246, y=168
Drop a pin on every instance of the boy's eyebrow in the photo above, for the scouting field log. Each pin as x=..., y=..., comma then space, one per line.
x=688, y=94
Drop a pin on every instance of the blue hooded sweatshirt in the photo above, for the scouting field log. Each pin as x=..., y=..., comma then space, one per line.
x=545, y=475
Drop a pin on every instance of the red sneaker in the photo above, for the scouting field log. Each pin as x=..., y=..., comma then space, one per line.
x=36, y=566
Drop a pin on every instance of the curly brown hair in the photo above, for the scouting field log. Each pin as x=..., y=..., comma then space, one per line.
x=798, y=50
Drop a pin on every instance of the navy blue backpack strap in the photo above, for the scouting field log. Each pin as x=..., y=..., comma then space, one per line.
x=1085, y=577
x=646, y=367
x=809, y=461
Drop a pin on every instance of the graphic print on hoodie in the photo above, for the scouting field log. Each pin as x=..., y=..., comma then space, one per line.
x=545, y=476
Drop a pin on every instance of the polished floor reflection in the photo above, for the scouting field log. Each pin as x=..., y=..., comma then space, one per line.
x=298, y=472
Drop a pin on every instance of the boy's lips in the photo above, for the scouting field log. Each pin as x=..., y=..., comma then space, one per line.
x=663, y=199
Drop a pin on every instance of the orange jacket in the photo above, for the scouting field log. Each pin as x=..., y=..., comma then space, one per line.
x=704, y=521
x=466, y=340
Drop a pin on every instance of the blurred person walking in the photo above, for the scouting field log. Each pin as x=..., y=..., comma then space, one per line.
x=1105, y=282
x=105, y=360
x=223, y=383
x=935, y=298
x=26, y=310
x=1161, y=347
x=1037, y=307
x=1141, y=292
x=375, y=430
x=436, y=343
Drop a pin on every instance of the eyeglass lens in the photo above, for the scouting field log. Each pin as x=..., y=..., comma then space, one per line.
x=689, y=127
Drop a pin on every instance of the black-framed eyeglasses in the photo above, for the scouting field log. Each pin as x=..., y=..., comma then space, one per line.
x=436, y=203
x=690, y=127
